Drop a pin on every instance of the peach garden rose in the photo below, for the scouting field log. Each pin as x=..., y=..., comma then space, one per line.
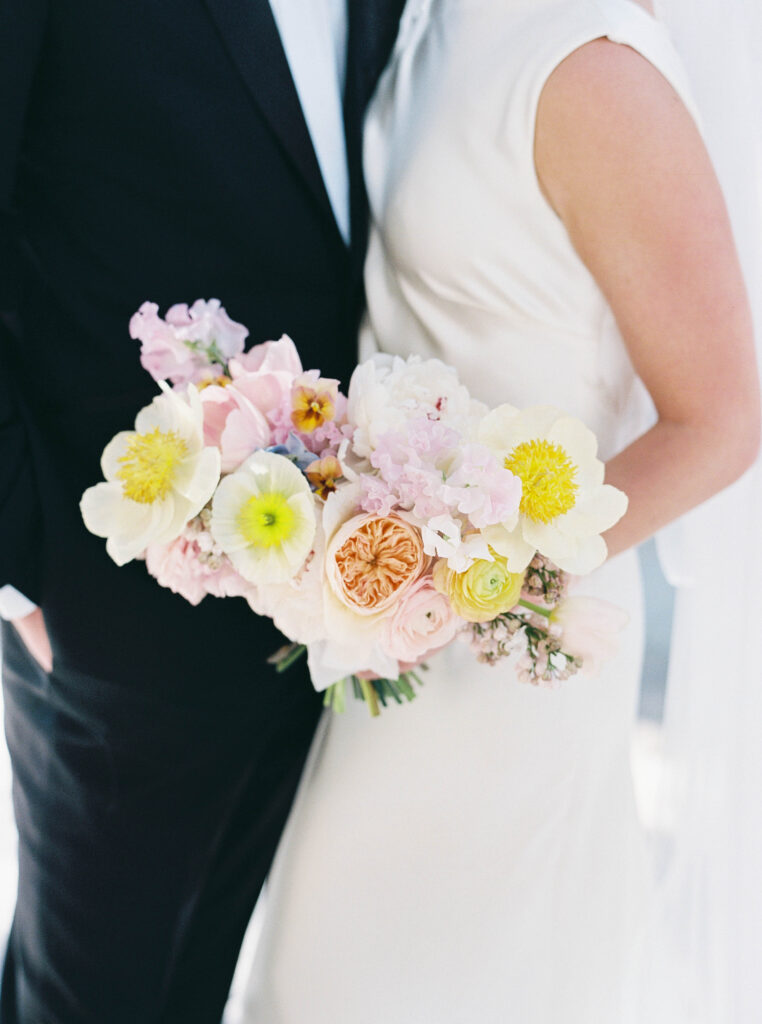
x=372, y=560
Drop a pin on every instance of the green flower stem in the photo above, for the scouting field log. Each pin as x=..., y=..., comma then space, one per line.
x=291, y=656
x=538, y=608
x=371, y=699
x=403, y=685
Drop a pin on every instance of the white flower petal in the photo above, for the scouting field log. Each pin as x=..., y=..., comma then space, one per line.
x=134, y=532
x=512, y=545
x=591, y=552
x=595, y=513
x=577, y=440
x=589, y=476
x=548, y=539
x=172, y=516
x=113, y=452
x=504, y=428
x=340, y=506
x=195, y=479
x=101, y=507
x=172, y=411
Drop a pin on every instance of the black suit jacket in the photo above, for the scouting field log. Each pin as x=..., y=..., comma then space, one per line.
x=151, y=150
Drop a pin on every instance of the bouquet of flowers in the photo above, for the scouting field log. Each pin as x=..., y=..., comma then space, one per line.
x=372, y=528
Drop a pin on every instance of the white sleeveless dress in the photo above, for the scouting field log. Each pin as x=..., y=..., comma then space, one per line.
x=475, y=857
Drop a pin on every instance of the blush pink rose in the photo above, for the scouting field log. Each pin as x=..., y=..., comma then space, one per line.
x=423, y=622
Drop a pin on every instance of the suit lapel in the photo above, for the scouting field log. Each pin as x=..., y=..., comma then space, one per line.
x=250, y=34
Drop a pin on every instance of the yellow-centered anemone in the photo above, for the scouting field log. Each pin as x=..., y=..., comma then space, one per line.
x=149, y=465
x=266, y=520
x=547, y=474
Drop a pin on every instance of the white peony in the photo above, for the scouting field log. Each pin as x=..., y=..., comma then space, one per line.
x=565, y=505
x=158, y=477
x=385, y=392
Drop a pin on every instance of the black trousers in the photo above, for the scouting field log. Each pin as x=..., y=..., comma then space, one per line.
x=146, y=829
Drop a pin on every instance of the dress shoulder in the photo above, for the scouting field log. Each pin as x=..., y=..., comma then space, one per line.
x=550, y=32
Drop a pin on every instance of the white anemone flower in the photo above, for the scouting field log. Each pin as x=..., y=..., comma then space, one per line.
x=565, y=505
x=263, y=518
x=158, y=477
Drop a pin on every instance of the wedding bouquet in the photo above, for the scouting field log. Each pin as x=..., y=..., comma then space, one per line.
x=372, y=528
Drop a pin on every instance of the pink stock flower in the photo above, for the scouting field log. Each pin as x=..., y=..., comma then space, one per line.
x=422, y=623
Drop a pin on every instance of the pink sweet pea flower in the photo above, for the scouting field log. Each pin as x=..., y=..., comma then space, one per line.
x=189, y=344
x=161, y=352
x=206, y=324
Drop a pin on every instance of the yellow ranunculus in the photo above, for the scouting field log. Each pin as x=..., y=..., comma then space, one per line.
x=483, y=591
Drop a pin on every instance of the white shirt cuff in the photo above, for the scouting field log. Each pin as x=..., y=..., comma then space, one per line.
x=14, y=605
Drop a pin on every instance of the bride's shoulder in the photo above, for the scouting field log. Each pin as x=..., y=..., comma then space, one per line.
x=607, y=107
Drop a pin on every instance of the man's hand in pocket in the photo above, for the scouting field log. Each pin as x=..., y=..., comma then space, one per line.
x=31, y=629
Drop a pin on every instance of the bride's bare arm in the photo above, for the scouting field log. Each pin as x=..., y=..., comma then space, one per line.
x=622, y=163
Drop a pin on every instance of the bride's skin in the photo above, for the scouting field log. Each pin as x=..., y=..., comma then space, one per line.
x=622, y=163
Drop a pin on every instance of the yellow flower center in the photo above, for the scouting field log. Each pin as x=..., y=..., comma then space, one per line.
x=267, y=520
x=149, y=464
x=221, y=382
x=547, y=476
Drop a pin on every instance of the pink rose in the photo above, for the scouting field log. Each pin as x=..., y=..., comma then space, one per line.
x=423, y=622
